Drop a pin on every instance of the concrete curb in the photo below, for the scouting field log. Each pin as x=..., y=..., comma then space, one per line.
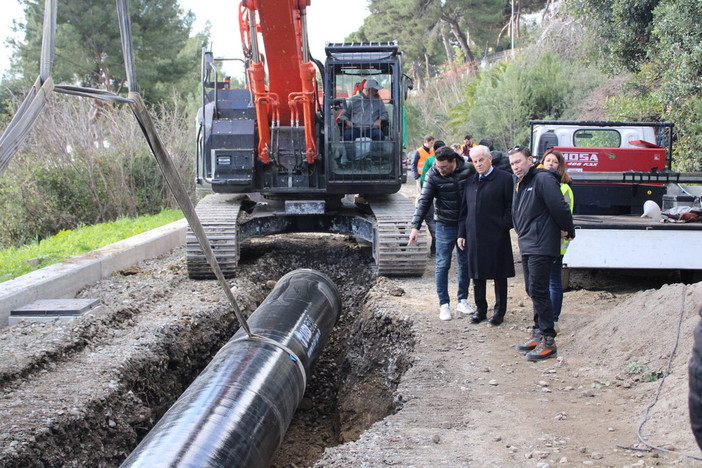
x=64, y=280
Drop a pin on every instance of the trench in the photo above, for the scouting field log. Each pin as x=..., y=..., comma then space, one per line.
x=351, y=387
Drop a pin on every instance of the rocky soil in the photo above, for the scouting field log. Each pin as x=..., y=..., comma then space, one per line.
x=395, y=387
x=470, y=399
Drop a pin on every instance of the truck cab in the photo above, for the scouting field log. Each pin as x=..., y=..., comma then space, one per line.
x=598, y=153
x=616, y=167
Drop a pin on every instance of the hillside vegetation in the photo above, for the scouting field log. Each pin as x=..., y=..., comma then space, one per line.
x=77, y=170
x=582, y=59
x=634, y=60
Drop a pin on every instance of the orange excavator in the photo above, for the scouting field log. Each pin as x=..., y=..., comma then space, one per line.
x=305, y=146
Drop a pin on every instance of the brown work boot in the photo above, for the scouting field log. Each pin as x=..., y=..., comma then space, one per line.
x=531, y=343
x=546, y=349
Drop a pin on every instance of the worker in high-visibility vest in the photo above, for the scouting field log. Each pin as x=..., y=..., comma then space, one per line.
x=419, y=157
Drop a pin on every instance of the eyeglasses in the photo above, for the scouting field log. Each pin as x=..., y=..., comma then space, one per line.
x=444, y=164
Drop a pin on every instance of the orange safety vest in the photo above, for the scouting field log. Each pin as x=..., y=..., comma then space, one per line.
x=423, y=156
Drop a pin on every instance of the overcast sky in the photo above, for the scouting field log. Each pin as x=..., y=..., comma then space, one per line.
x=328, y=21
x=11, y=9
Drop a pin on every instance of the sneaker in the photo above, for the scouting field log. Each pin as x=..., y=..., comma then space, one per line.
x=546, y=349
x=464, y=308
x=531, y=343
x=445, y=312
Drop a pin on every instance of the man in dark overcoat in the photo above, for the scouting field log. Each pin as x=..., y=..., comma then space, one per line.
x=484, y=224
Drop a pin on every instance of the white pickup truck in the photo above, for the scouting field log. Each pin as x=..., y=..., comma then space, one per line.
x=616, y=167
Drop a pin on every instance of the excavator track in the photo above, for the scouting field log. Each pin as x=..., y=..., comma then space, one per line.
x=393, y=256
x=218, y=214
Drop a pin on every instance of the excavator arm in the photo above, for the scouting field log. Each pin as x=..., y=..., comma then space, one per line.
x=283, y=80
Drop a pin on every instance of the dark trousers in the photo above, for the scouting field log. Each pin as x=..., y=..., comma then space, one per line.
x=480, y=294
x=537, y=272
x=431, y=225
x=375, y=134
x=556, y=287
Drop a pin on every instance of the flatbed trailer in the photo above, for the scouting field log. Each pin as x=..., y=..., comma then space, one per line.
x=634, y=242
x=616, y=168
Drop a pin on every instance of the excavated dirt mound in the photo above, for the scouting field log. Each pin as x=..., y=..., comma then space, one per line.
x=634, y=344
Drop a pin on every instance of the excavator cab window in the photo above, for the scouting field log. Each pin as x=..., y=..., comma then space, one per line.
x=362, y=138
x=363, y=143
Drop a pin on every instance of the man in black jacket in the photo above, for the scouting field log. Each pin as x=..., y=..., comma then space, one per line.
x=541, y=217
x=443, y=186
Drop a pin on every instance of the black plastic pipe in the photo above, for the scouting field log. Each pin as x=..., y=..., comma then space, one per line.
x=236, y=413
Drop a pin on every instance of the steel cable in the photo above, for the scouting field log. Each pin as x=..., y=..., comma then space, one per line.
x=660, y=386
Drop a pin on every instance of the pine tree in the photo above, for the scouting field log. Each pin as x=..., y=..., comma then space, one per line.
x=88, y=50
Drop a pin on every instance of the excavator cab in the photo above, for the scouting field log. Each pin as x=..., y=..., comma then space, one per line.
x=363, y=158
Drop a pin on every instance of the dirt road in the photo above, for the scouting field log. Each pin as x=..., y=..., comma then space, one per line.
x=396, y=386
x=470, y=399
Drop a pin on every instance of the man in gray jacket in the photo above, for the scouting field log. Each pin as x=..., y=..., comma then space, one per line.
x=541, y=217
x=365, y=114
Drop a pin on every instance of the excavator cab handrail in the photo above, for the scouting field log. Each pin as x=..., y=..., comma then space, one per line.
x=361, y=47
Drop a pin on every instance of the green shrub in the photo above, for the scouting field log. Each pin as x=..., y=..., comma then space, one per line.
x=78, y=170
x=538, y=84
x=18, y=261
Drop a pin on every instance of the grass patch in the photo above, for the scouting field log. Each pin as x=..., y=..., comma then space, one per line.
x=15, y=262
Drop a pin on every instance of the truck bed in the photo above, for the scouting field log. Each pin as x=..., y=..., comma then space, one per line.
x=630, y=222
x=629, y=241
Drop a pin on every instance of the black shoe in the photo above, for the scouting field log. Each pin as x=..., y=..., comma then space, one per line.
x=477, y=318
x=495, y=320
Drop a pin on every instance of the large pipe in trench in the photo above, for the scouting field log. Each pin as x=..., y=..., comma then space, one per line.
x=238, y=409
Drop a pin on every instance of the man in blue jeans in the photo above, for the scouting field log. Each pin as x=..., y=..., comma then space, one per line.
x=443, y=186
x=541, y=217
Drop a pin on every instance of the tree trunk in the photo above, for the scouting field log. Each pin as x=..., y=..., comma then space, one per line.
x=449, y=50
x=418, y=75
x=548, y=10
x=517, y=18
x=460, y=37
x=101, y=78
x=427, y=65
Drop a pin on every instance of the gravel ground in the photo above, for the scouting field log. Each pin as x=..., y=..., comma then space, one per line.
x=395, y=386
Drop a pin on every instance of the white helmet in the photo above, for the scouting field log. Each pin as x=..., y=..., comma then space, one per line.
x=651, y=210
